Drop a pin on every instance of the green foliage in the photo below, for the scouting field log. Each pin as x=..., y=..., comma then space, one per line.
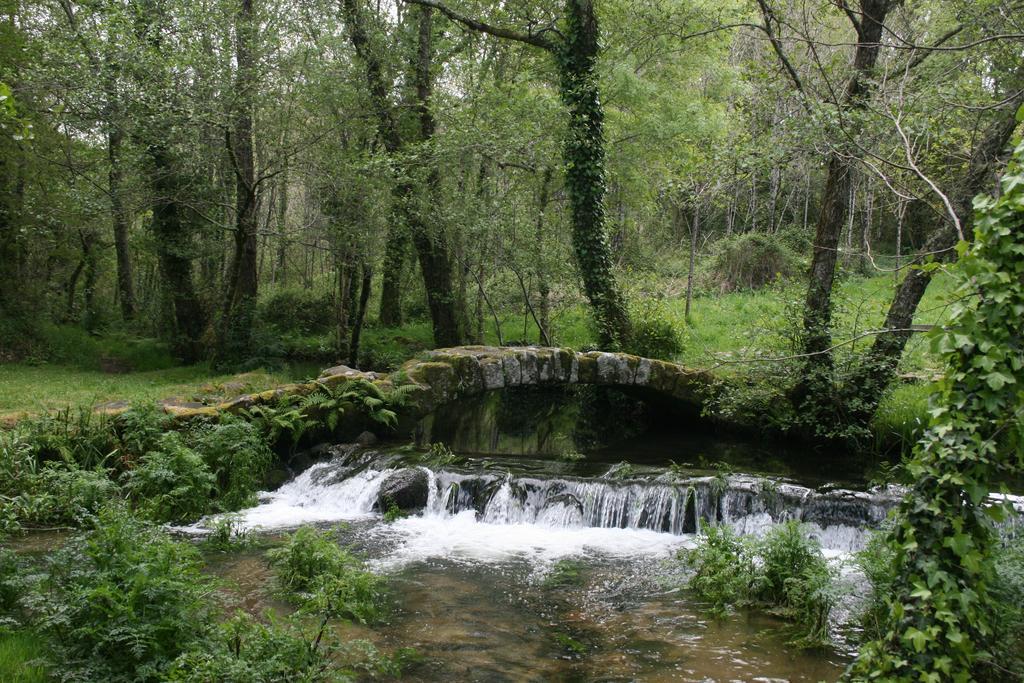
x=123, y=601
x=228, y=535
x=1007, y=652
x=297, y=309
x=654, y=334
x=621, y=470
x=243, y=650
x=324, y=578
x=285, y=418
x=784, y=572
x=58, y=470
x=365, y=398
x=20, y=654
x=571, y=456
x=752, y=260
x=237, y=456
x=41, y=482
x=793, y=576
x=393, y=513
x=941, y=621
x=723, y=567
x=9, y=585
x=172, y=483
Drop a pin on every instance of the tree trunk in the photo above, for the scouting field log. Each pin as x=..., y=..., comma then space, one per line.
x=174, y=252
x=71, y=288
x=235, y=340
x=584, y=157
x=694, y=232
x=543, y=289
x=280, y=266
x=90, y=316
x=121, y=224
x=357, y=326
x=432, y=245
x=341, y=307
x=874, y=373
x=816, y=380
x=397, y=243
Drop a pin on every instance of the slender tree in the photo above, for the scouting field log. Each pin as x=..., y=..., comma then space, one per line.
x=575, y=49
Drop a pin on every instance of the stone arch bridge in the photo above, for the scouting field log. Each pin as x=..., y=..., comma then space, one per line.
x=444, y=376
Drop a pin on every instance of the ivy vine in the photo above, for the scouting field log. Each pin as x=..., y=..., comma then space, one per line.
x=940, y=624
x=584, y=158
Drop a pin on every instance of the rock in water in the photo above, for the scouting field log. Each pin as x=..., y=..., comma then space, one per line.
x=367, y=439
x=406, y=489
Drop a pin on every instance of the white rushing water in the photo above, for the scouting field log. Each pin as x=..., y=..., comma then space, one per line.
x=489, y=517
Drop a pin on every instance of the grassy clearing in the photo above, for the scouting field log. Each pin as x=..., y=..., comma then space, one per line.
x=39, y=388
x=725, y=331
x=17, y=651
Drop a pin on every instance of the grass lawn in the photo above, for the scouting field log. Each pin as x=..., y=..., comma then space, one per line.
x=40, y=388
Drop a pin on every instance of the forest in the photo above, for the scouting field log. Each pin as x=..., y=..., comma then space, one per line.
x=690, y=326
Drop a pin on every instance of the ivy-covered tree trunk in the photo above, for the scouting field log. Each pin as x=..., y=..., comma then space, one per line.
x=584, y=171
x=815, y=388
x=940, y=622
x=235, y=337
x=583, y=152
x=121, y=223
x=430, y=241
x=173, y=241
x=865, y=387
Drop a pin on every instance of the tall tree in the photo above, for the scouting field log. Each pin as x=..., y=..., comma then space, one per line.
x=397, y=244
x=235, y=337
x=173, y=233
x=575, y=50
x=815, y=387
x=864, y=388
x=431, y=244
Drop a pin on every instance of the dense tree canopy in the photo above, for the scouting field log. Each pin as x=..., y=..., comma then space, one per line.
x=168, y=165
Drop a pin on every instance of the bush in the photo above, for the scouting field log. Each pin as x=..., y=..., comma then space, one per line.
x=66, y=496
x=237, y=456
x=723, y=568
x=297, y=310
x=125, y=601
x=326, y=579
x=242, y=650
x=172, y=483
x=784, y=572
x=653, y=333
x=796, y=579
x=751, y=261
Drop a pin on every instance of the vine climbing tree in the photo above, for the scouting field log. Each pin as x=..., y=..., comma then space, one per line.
x=575, y=49
x=941, y=613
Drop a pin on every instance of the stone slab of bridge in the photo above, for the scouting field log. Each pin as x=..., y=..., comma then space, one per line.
x=443, y=376
x=447, y=375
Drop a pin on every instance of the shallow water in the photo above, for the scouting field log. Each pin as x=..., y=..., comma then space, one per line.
x=503, y=623
x=478, y=578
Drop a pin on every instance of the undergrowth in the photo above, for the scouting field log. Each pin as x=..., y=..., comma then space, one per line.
x=784, y=572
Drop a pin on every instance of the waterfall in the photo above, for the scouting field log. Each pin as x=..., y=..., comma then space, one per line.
x=346, y=488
